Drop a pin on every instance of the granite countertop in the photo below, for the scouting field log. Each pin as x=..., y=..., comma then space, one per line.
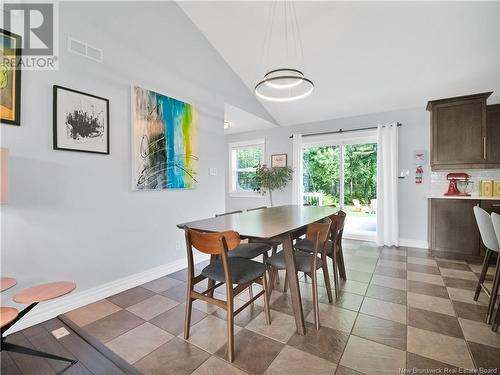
x=477, y=197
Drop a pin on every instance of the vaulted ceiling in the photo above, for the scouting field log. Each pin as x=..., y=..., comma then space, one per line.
x=364, y=57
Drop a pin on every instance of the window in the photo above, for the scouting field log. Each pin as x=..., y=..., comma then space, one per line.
x=243, y=158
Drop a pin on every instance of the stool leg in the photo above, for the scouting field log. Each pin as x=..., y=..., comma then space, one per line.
x=494, y=292
x=484, y=270
x=7, y=346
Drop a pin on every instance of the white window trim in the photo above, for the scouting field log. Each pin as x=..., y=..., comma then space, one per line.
x=238, y=193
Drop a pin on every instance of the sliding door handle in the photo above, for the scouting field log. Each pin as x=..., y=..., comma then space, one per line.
x=484, y=148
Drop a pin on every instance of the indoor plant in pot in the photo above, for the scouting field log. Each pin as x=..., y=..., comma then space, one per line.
x=269, y=179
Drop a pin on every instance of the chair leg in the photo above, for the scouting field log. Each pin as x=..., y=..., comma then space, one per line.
x=326, y=276
x=315, y=298
x=250, y=292
x=267, y=296
x=340, y=256
x=336, y=271
x=230, y=330
x=272, y=280
x=494, y=292
x=496, y=321
x=286, y=282
x=484, y=270
x=274, y=251
x=187, y=320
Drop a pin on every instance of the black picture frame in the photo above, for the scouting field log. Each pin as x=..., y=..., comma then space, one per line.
x=17, y=99
x=273, y=163
x=56, y=146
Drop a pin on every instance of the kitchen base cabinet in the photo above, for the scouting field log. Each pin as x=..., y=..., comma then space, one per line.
x=453, y=230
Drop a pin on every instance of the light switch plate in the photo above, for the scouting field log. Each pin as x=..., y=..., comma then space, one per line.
x=60, y=332
x=212, y=171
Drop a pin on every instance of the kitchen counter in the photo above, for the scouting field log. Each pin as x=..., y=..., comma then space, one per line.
x=472, y=197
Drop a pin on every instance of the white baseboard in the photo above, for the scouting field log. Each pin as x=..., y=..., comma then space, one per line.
x=49, y=310
x=421, y=244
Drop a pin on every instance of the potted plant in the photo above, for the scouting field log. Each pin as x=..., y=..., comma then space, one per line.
x=269, y=179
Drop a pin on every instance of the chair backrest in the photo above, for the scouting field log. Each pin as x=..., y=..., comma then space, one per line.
x=257, y=208
x=485, y=224
x=211, y=243
x=319, y=233
x=495, y=220
x=229, y=213
x=338, y=221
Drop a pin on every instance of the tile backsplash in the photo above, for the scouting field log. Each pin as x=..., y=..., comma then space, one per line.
x=439, y=183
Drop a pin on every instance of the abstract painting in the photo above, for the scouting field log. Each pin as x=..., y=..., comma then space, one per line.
x=81, y=121
x=10, y=78
x=164, y=142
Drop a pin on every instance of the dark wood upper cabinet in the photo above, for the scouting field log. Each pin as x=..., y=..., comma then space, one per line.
x=493, y=134
x=461, y=136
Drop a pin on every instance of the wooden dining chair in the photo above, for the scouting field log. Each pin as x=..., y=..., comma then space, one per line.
x=224, y=270
x=309, y=263
x=249, y=250
x=333, y=248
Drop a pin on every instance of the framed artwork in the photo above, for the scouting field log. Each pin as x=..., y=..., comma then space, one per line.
x=164, y=142
x=81, y=121
x=278, y=160
x=10, y=78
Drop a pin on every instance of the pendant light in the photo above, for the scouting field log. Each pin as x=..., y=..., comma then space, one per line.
x=284, y=84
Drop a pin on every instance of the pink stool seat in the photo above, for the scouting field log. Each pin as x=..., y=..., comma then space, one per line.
x=44, y=292
x=6, y=283
x=7, y=315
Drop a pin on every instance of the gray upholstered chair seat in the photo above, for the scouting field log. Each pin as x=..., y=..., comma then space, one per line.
x=242, y=270
x=303, y=261
x=249, y=250
x=303, y=244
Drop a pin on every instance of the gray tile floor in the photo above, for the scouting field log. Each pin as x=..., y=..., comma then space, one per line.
x=400, y=308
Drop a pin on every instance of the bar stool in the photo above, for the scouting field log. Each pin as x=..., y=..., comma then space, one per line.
x=489, y=239
x=495, y=219
x=31, y=296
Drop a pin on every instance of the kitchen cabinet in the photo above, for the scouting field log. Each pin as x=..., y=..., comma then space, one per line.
x=493, y=134
x=453, y=231
x=465, y=133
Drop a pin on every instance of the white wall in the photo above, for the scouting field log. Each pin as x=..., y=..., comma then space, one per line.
x=413, y=135
x=72, y=216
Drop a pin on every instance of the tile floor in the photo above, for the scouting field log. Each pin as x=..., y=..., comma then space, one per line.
x=400, y=308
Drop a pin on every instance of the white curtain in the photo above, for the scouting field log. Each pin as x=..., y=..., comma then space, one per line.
x=297, y=169
x=387, y=185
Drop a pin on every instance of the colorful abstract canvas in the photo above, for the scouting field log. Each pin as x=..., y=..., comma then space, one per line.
x=164, y=142
x=10, y=78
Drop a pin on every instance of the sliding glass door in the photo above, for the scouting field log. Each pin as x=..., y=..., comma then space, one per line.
x=343, y=172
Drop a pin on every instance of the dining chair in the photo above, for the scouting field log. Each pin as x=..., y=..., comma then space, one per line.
x=225, y=270
x=333, y=248
x=489, y=238
x=309, y=263
x=249, y=250
x=495, y=220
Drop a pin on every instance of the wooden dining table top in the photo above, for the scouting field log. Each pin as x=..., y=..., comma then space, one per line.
x=264, y=223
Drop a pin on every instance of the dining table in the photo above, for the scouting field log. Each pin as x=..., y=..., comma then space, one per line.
x=282, y=224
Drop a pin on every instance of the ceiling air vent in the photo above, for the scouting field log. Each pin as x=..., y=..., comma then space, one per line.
x=83, y=49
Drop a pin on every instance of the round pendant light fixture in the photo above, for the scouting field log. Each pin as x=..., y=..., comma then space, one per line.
x=284, y=84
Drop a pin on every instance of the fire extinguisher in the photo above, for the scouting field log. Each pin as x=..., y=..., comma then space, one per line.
x=418, y=174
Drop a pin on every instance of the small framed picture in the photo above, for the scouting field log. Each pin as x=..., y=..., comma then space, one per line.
x=81, y=121
x=278, y=160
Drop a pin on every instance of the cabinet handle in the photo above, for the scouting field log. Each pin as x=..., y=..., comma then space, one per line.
x=484, y=148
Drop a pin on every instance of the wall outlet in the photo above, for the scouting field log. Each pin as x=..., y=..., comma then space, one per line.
x=212, y=171
x=60, y=332
x=178, y=245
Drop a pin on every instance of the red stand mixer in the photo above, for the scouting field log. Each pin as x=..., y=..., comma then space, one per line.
x=456, y=179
